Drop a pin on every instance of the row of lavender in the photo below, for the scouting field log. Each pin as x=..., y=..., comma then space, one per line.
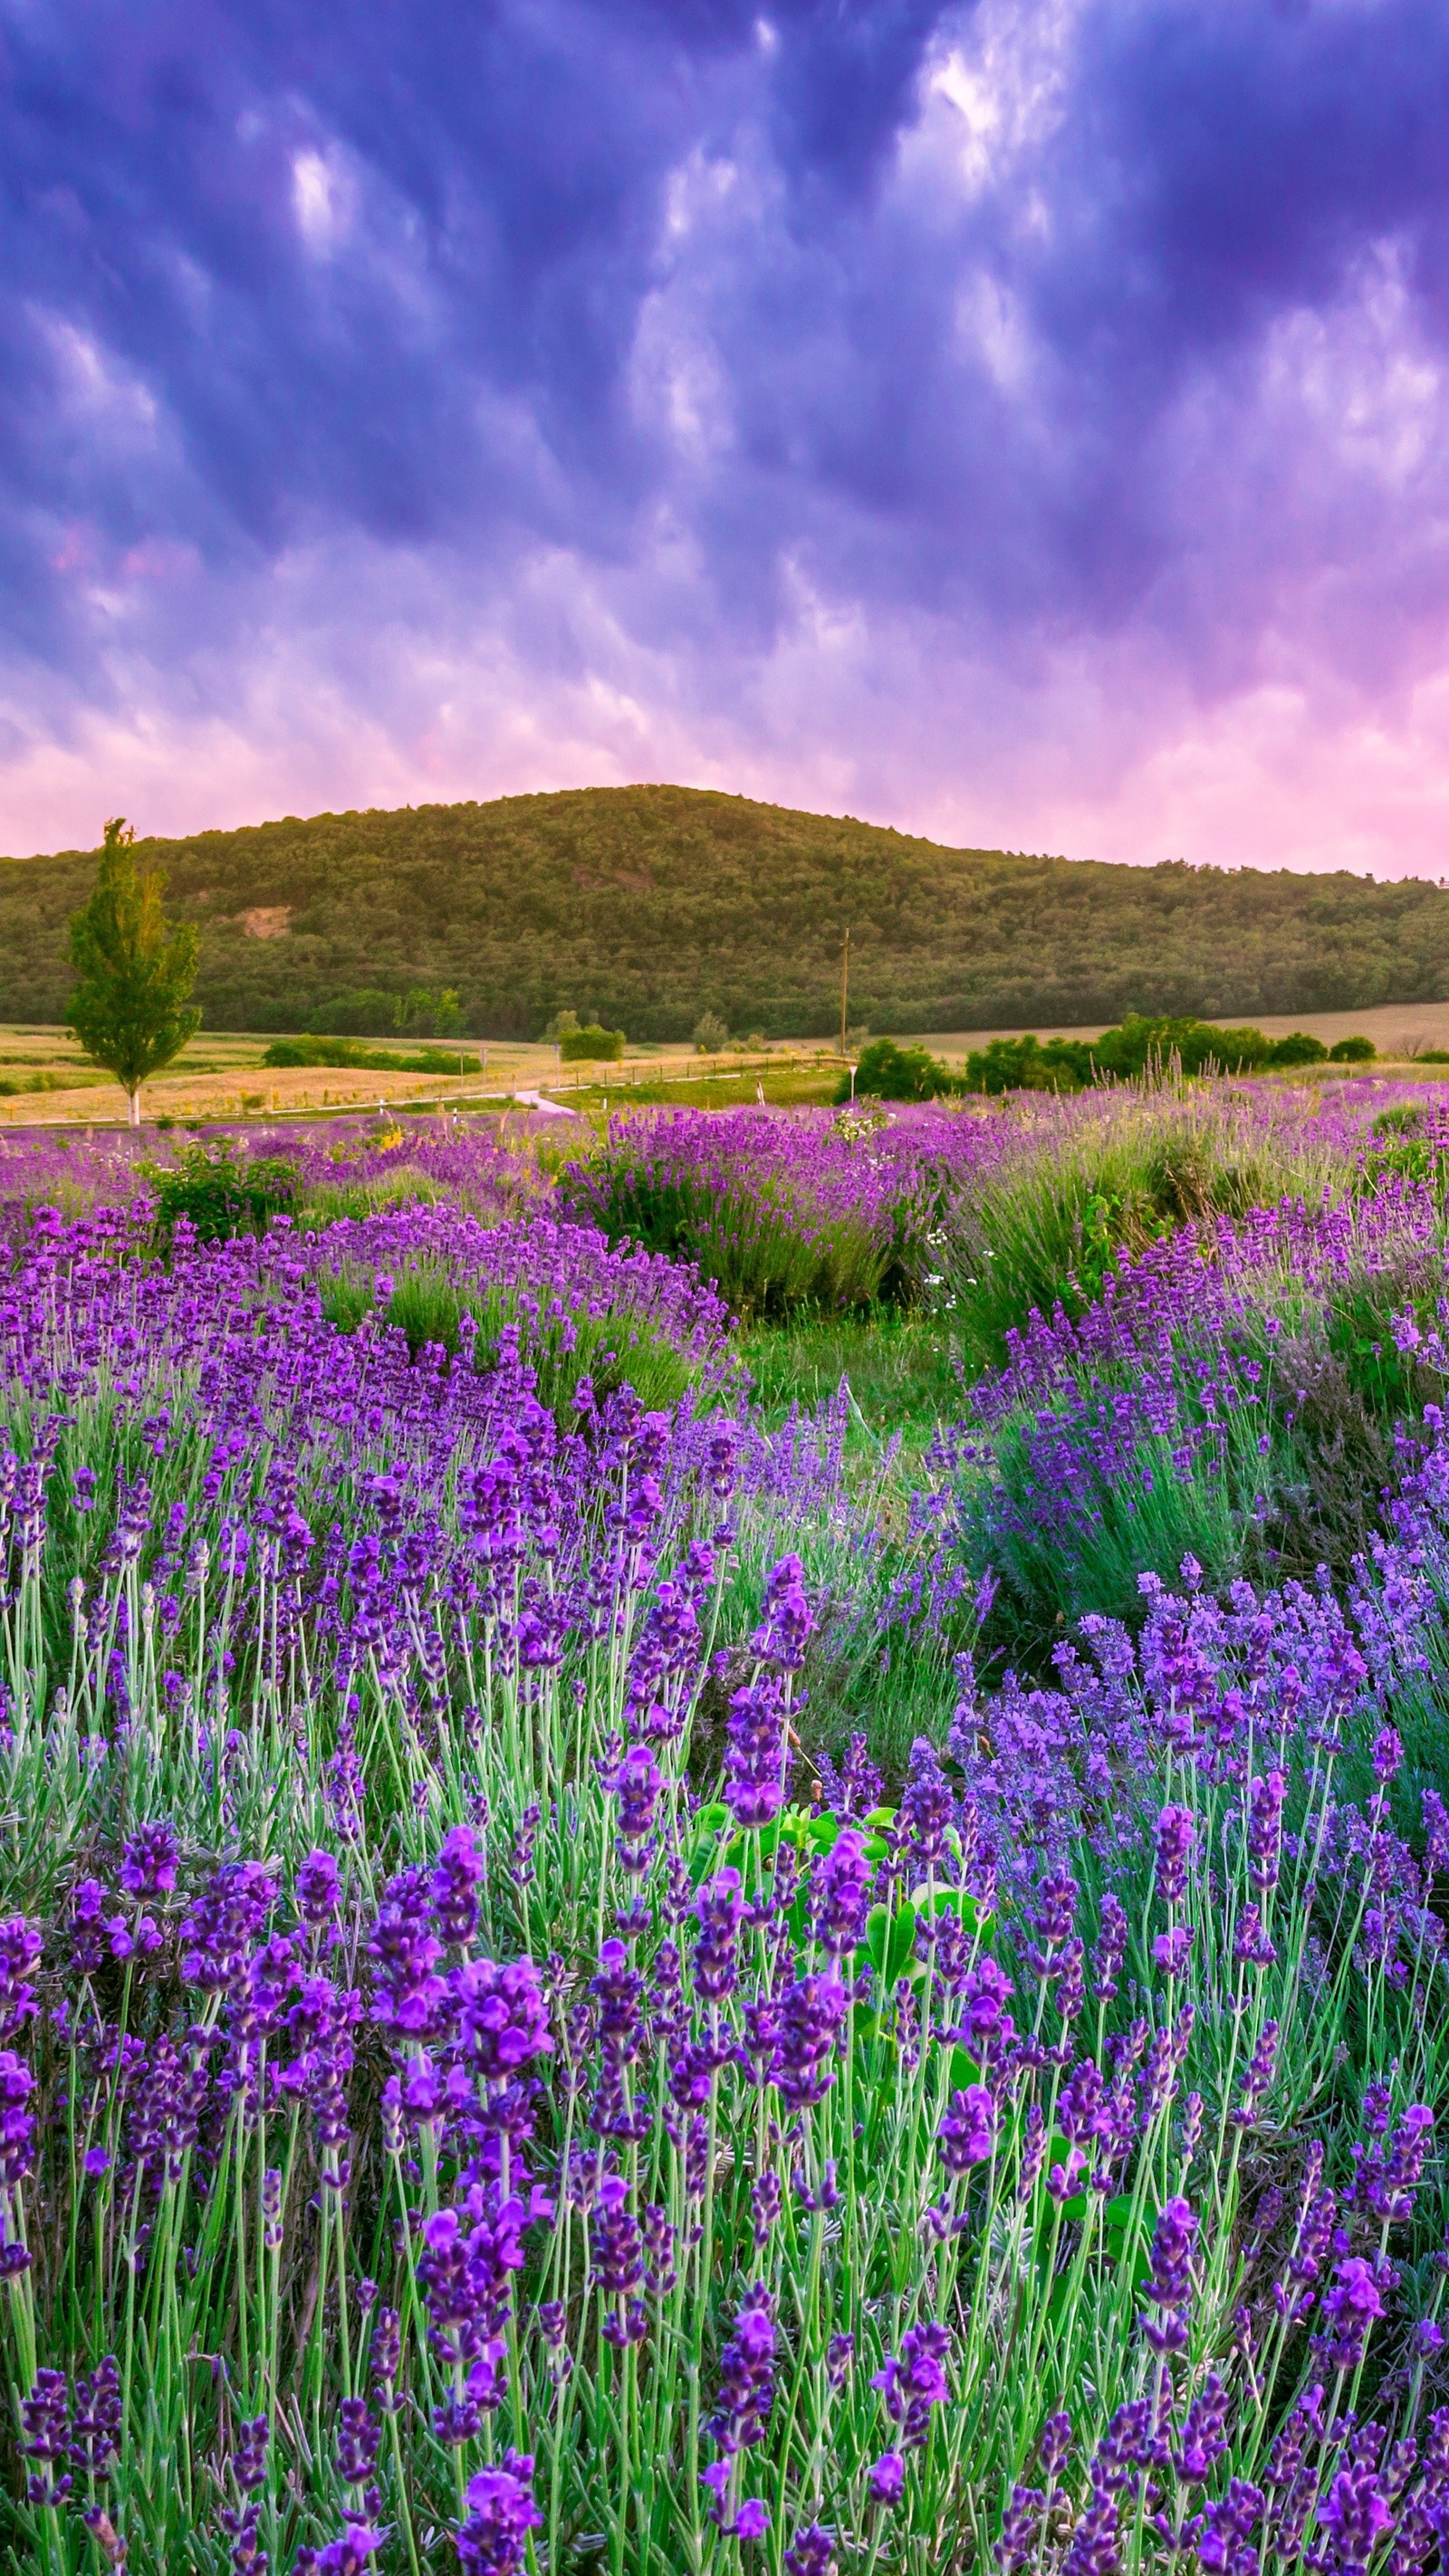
x=468, y=2087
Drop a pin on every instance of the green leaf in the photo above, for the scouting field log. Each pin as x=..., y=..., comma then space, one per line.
x=890, y=1940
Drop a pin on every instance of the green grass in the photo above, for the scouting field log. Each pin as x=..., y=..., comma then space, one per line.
x=792, y=1089
x=900, y=1367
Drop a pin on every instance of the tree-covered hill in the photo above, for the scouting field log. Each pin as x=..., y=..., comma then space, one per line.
x=645, y=906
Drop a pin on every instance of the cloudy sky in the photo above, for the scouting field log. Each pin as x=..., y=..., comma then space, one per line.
x=1023, y=422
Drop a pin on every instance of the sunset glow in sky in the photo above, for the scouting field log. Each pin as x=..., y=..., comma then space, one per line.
x=1025, y=423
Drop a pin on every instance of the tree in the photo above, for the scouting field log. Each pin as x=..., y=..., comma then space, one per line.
x=130, y=1008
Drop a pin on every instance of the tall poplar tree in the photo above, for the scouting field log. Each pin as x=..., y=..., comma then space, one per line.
x=131, y=1008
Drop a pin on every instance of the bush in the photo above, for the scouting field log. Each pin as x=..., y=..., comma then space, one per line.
x=365, y=1014
x=778, y=1215
x=591, y=1045
x=1354, y=1050
x=889, y=1072
x=1049, y=1226
x=348, y=1053
x=218, y=1195
x=1298, y=1048
x=710, y=1033
x=1138, y=1046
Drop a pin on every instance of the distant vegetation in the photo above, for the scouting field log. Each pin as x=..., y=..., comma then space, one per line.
x=890, y=1072
x=662, y=910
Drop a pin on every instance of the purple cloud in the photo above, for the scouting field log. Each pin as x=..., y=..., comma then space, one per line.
x=1020, y=421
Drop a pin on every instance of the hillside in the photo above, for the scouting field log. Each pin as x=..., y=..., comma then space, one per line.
x=647, y=905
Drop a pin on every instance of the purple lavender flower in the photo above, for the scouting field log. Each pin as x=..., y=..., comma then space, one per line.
x=349, y=2556
x=887, y=2479
x=1174, y=1834
x=1224, y=2545
x=808, y=2024
x=841, y=1891
x=927, y=1805
x=1056, y=2443
x=1351, y=2307
x=967, y=2134
x=457, y=1876
x=1258, y=2077
x=20, y=1948
x=502, y=2016
x=359, y=2438
x=638, y=1784
x=405, y=1953
x=861, y=1785
x=17, y=2121
x=1264, y=1828
x=95, y=2423
x=787, y=1620
x=45, y=2437
x=1169, y=2286
x=811, y=2552
x=746, y=2375
x=1356, y=2514
x=318, y=1889
x=720, y=1911
x=492, y=2538
x=249, y=2455
x=914, y=2380
x=756, y=1753
x=149, y=1863
x=1020, y=2525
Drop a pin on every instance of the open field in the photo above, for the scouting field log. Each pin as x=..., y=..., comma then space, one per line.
x=723, y=1841
x=222, y=1076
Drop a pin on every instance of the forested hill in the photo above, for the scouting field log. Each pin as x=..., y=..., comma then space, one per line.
x=645, y=906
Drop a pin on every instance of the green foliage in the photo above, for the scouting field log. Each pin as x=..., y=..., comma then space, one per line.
x=645, y=897
x=770, y=1254
x=1052, y=1568
x=1048, y=1229
x=898, y=1363
x=130, y=1008
x=611, y=1349
x=889, y=1072
x=591, y=1045
x=1353, y=1050
x=710, y=1032
x=11, y=1085
x=350, y=1051
x=368, y=1013
x=1139, y=1046
x=220, y=1195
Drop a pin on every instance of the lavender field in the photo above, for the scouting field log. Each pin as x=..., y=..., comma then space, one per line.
x=725, y=1847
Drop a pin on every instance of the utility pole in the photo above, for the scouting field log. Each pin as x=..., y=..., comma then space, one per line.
x=844, y=986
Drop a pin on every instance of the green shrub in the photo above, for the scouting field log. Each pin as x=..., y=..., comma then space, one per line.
x=890, y=1072
x=347, y=1052
x=1046, y=1229
x=219, y=1195
x=1138, y=1046
x=1353, y=1050
x=12, y=1084
x=611, y=1348
x=1298, y=1048
x=591, y=1045
x=711, y=1033
x=369, y=1013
